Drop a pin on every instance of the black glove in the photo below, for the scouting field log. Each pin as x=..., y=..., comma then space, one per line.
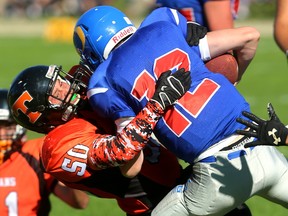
x=171, y=87
x=268, y=132
x=194, y=33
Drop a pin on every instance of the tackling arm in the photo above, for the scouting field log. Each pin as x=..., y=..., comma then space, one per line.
x=109, y=151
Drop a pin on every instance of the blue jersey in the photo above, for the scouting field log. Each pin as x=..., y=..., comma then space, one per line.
x=193, y=10
x=122, y=85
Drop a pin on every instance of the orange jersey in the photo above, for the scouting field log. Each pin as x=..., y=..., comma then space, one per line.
x=64, y=155
x=24, y=188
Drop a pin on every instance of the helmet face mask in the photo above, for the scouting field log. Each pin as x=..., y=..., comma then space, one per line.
x=12, y=135
x=13, y=131
x=32, y=91
x=77, y=88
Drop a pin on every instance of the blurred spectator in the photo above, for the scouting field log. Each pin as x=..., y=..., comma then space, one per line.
x=33, y=9
x=244, y=9
x=39, y=8
x=281, y=25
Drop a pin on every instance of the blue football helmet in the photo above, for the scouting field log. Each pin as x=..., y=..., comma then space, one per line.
x=98, y=31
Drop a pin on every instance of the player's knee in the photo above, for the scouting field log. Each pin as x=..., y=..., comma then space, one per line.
x=172, y=203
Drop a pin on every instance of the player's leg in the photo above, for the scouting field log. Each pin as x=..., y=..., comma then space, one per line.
x=241, y=210
x=206, y=195
x=276, y=174
x=172, y=204
x=219, y=184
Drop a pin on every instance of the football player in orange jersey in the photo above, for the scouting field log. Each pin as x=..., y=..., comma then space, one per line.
x=47, y=100
x=25, y=189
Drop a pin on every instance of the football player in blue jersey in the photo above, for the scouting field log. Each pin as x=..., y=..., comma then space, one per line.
x=200, y=128
x=213, y=14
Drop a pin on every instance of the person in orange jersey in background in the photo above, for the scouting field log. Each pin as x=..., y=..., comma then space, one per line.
x=24, y=187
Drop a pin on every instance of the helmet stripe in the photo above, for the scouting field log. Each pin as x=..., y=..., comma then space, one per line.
x=81, y=36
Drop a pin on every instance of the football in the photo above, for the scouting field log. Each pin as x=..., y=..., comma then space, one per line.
x=225, y=64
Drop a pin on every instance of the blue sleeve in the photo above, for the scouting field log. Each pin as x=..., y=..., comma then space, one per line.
x=178, y=4
x=168, y=15
x=110, y=105
x=105, y=101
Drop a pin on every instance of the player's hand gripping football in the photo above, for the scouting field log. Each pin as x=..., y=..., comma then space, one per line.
x=268, y=132
x=171, y=87
x=194, y=33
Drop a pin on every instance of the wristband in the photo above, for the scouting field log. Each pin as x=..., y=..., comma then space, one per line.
x=193, y=23
x=204, y=49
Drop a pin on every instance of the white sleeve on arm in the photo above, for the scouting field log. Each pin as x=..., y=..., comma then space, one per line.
x=204, y=49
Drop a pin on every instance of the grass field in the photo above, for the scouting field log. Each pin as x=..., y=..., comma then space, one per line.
x=265, y=81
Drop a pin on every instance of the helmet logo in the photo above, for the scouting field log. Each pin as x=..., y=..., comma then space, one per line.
x=123, y=33
x=20, y=105
x=118, y=38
